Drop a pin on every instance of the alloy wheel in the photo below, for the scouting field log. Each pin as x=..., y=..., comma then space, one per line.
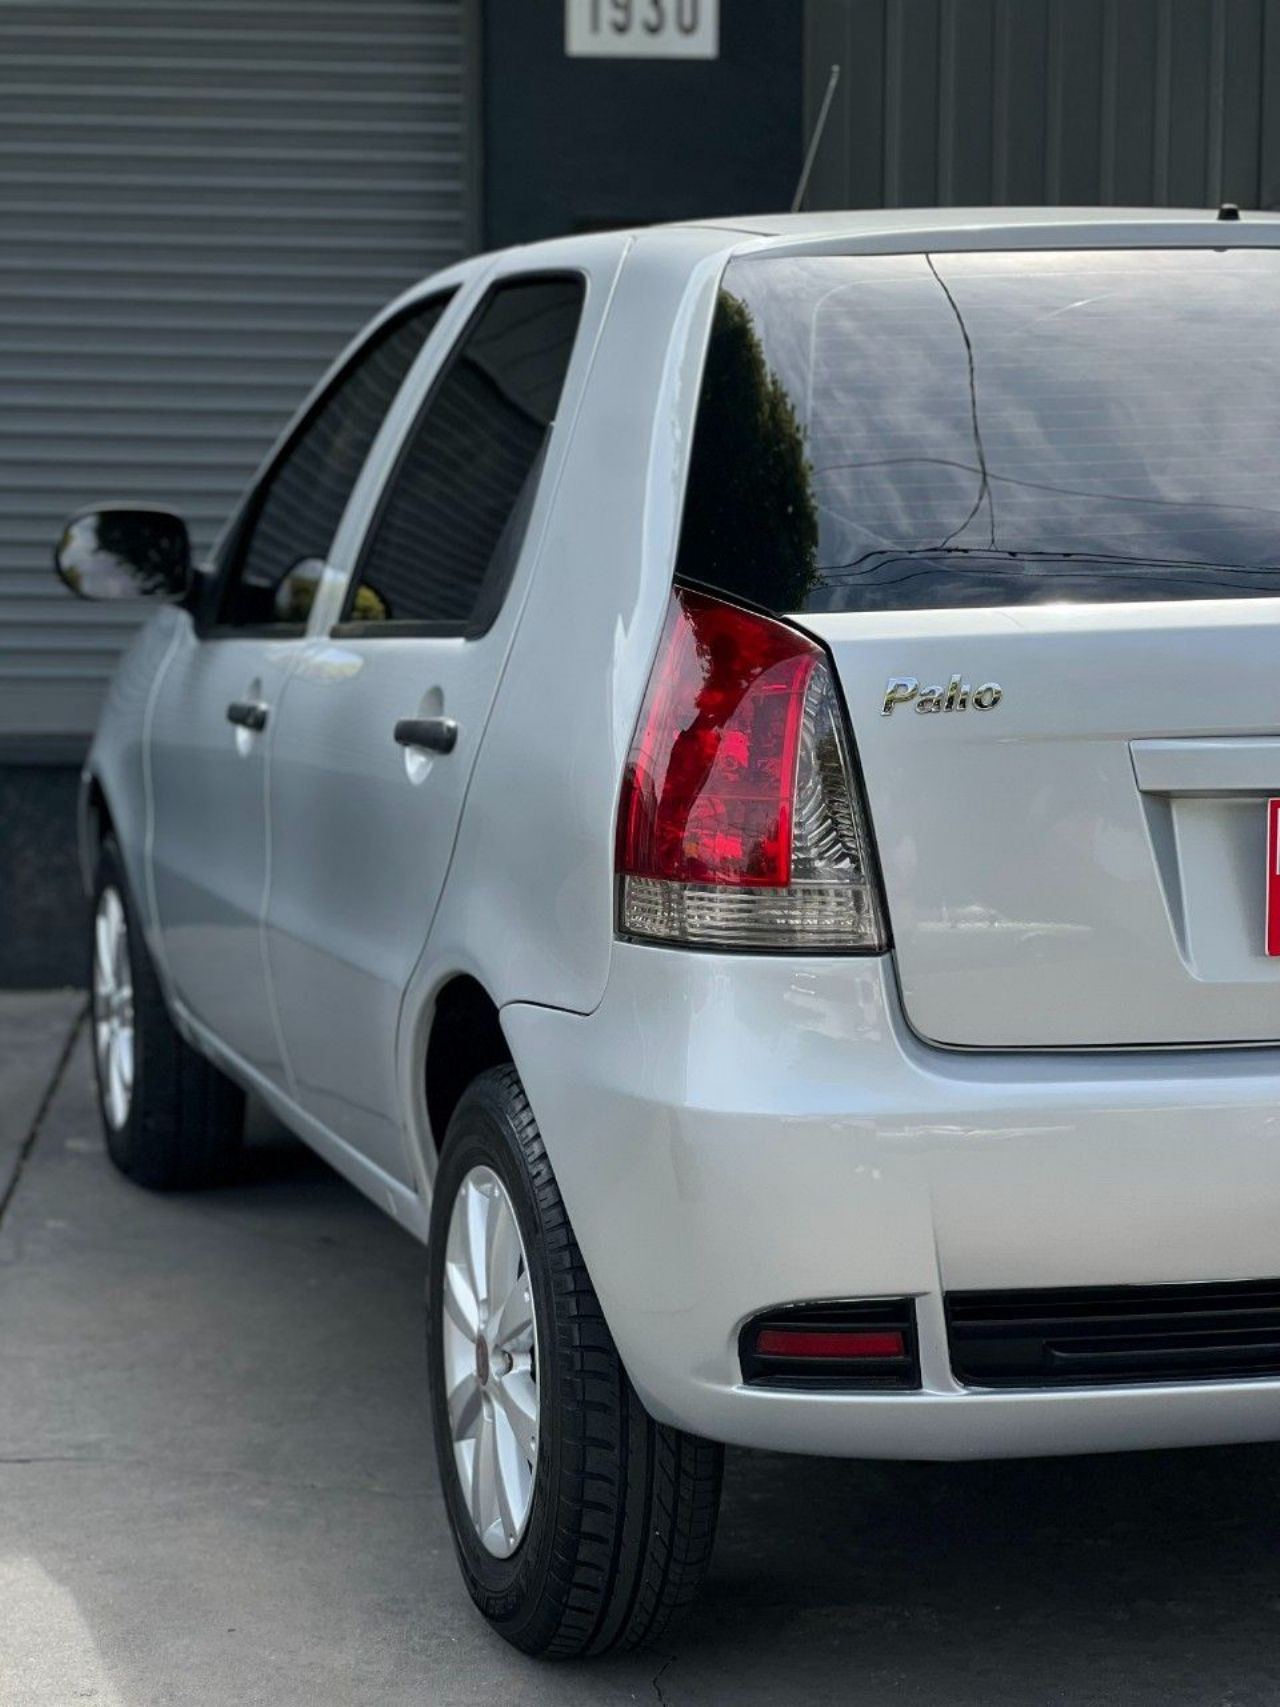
x=490, y=1344
x=113, y=1031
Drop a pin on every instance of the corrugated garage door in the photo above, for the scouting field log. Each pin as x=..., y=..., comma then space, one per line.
x=200, y=201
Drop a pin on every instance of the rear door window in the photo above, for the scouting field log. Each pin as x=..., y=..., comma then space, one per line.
x=448, y=530
x=896, y=432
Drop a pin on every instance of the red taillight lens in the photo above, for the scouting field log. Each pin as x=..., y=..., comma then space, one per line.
x=740, y=823
x=711, y=778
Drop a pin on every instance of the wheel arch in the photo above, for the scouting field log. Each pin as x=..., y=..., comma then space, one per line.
x=96, y=823
x=464, y=1039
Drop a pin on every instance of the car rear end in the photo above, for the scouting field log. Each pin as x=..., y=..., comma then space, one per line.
x=937, y=1067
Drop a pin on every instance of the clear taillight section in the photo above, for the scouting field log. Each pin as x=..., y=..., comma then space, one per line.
x=740, y=824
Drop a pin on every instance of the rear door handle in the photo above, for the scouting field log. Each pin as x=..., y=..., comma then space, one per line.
x=247, y=714
x=439, y=734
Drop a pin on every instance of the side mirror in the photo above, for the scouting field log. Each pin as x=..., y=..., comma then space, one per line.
x=124, y=553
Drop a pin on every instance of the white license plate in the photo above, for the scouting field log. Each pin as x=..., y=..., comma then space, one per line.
x=642, y=29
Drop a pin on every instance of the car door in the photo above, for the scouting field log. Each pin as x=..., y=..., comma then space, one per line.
x=382, y=719
x=211, y=723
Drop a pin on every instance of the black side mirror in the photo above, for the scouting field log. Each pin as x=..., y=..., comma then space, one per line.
x=125, y=553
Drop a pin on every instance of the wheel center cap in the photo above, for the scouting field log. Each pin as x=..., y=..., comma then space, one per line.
x=482, y=1361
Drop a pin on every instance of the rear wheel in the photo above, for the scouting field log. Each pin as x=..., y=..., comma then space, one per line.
x=580, y=1523
x=172, y=1121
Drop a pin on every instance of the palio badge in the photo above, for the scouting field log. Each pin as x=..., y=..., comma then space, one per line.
x=956, y=696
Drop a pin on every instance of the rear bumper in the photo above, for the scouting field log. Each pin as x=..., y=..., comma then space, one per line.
x=732, y=1133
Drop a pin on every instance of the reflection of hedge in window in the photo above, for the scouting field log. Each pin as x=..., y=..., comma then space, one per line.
x=750, y=521
x=471, y=456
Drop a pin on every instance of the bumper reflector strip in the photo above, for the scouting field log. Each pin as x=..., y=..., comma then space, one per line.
x=845, y=1345
x=813, y=1342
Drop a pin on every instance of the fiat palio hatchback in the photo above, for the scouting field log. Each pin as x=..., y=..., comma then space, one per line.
x=729, y=777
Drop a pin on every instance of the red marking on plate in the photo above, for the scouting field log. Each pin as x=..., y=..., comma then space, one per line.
x=1273, y=877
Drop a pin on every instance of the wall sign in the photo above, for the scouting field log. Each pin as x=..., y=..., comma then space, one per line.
x=642, y=29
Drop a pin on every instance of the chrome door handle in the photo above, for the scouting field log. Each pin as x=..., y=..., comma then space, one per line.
x=248, y=714
x=438, y=734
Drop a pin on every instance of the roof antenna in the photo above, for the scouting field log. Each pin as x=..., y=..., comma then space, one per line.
x=1228, y=210
x=815, y=139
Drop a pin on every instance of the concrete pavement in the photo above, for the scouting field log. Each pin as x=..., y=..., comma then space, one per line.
x=35, y=1032
x=216, y=1487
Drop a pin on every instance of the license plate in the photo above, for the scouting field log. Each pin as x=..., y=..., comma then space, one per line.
x=1273, y=877
x=642, y=29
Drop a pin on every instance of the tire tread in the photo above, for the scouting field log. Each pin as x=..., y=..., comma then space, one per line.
x=636, y=1523
x=185, y=1126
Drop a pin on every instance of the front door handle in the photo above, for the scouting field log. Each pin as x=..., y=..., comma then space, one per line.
x=439, y=734
x=248, y=714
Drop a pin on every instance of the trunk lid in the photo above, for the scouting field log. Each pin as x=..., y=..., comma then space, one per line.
x=1050, y=474
x=1083, y=864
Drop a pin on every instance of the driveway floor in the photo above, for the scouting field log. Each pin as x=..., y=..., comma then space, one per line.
x=216, y=1487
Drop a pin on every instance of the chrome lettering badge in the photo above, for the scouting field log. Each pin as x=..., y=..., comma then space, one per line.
x=956, y=696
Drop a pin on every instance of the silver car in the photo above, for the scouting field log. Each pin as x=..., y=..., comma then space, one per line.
x=729, y=778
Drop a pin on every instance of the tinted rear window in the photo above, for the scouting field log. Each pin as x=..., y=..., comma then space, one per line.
x=914, y=431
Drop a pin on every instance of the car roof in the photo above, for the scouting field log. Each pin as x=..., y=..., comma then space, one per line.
x=923, y=222
x=913, y=231
x=902, y=231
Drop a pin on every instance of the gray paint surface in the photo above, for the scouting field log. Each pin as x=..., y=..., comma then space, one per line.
x=216, y=1485
x=201, y=201
x=1170, y=103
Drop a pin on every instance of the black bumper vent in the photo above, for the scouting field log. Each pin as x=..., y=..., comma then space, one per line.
x=1084, y=1336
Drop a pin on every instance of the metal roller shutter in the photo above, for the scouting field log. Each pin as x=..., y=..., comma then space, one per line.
x=200, y=201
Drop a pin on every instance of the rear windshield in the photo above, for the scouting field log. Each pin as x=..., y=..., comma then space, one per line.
x=896, y=432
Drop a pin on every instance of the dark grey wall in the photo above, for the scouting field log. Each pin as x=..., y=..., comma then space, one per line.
x=1173, y=103
x=42, y=913
x=572, y=144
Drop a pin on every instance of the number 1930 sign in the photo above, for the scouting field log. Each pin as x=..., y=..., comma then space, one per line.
x=642, y=29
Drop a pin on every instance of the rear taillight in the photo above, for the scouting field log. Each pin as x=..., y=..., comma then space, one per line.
x=740, y=824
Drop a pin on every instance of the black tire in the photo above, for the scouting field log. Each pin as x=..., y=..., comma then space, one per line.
x=624, y=1509
x=185, y=1119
